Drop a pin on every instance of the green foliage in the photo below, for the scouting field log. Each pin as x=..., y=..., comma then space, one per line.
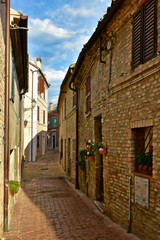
x=82, y=163
x=83, y=154
x=145, y=159
x=14, y=186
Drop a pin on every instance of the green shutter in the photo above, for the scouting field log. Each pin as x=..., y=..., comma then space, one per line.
x=53, y=122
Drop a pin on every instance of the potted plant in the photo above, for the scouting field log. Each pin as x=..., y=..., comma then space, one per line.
x=145, y=161
x=14, y=187
x=91, y=148
x=102, y=149
x=82, y=162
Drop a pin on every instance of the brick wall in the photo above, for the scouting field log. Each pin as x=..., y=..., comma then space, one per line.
x=132, y=102
x=67, y=131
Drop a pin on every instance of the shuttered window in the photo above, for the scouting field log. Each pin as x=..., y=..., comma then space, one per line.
x=41, y=84
x=144, y=34
x=88, y=95
x=38, y=113
x=43, y=116
x=53, y=122
x=74, y=98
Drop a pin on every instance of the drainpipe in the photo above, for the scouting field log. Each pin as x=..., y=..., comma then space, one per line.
x=6, y=116
x=77, y=136
x=129, y=215
x=20, y=138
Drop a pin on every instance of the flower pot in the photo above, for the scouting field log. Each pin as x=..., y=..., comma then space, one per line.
x=140, y=167
x=11, y=193
x=102, y=150
x=149, y=170
x=90, y=158
x=144, y=169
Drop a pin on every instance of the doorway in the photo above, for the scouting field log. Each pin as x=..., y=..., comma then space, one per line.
x=43, y=143
x=99, y=163
x=53, y=141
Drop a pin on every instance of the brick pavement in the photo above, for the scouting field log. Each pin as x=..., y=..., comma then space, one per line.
x=49, y=208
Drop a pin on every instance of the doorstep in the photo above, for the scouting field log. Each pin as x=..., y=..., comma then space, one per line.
x=99, y=205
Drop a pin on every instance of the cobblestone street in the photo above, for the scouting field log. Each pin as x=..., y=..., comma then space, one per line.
x=49, y=208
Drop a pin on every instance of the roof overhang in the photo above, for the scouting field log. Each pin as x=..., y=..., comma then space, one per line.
x=19, y=34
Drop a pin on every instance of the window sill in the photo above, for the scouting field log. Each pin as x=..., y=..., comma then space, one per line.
x=142, y=175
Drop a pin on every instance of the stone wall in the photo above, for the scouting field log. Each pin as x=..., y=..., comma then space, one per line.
x=2, y=94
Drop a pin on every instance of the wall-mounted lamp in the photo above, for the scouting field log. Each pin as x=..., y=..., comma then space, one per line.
x=34, y=103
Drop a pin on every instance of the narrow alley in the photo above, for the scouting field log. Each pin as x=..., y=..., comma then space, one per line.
x=49, y=208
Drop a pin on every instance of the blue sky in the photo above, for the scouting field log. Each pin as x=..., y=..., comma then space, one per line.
x=58, y=29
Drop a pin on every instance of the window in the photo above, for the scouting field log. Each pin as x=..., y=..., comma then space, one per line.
x=38, y=113
x=74, y=98
x=65, y=108
x=41, y=84
x=53, y=122
x=13, y=77
x=37, y=141
x=44, y=94
x=43, y=116
x=88, y=95
x=61, y=153
x=144, y=40
x=143, y=150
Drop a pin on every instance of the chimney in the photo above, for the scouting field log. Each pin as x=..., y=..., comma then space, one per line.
x=38, y=62
x=50, y=106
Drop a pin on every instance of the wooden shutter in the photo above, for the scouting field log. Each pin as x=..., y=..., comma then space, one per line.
x=43, y=116
x=74, y=98
x=137, y=39
x=40, y=84
x=149, y=40
x=53, y=122
x=38, y=113
x=144, y=43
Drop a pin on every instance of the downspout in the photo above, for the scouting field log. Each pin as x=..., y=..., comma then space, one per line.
x=20, y=139
x=77, y=136
x=129, y=215
x=6, y=116
x=32, y=122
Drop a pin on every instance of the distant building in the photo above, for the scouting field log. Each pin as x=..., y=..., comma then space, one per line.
x=67, y=127
x=35, y=113
x=53, y=128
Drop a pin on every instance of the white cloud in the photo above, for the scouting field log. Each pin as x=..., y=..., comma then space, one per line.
x=54, y=77
x=79, y=12
x=46, y=27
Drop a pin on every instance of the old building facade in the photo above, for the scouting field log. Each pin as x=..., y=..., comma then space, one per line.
x=53, y=128
x=35, y=113
x=14, y=83
x=2, y=101
x=117, y=78
x=67, y=126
